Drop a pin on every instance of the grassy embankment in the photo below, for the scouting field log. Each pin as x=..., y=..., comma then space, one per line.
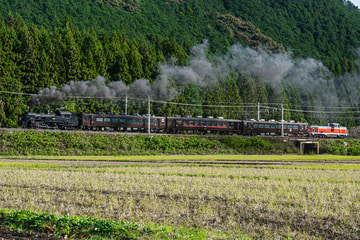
x=55, y=143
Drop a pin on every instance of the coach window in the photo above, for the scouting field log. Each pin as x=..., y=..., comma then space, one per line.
x=284, y=126
x=272, y=126
x=224, y=124
x=99, y=119
x=278, y=126
x=85, y=118
x=208, y=123
x=261, y=125
x=137, y=121
x=219, y=124
x=202, y=123
x=152, y=121
x=115, y=120
x=179, y=122
x=267, y=126
x=122, y=120
x=255, y=125
x=213, y=124
x=107, y=119
x=129, y=120
x=196, y=122
x=296, y=127
x=290, y=127
x=191, y=122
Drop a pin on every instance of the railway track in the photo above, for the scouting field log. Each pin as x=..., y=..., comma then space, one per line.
x=285, y=138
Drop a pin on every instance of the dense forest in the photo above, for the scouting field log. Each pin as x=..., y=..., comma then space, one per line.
x=217, y=58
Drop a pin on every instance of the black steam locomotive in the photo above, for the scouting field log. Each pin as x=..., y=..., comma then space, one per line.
x=58, y=120
x=177, y=124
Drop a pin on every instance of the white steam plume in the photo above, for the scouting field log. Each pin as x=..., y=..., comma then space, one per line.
x=281, y=71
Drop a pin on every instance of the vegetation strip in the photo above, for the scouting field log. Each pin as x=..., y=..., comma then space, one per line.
x=75, y=227
x=231, y=176
x=350, y=167
x=192, y=157
x=86, y=146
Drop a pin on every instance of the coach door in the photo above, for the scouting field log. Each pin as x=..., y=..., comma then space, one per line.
x=161, y=123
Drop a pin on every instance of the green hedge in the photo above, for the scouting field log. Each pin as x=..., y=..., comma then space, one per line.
x=64, y=143
x=338, y=147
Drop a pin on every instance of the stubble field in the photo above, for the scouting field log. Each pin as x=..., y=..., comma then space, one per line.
x=273, y=197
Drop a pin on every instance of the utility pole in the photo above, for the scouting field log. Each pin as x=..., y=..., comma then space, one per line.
x=126, y=104
x=149, y=114
x=282, y=120
x=258, y=111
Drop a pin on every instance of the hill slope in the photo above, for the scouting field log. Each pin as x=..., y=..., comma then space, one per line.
x=325, y=29
x=47, y=44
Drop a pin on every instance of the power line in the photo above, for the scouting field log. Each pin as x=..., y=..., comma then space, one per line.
x=327, y=112
x=239, y=105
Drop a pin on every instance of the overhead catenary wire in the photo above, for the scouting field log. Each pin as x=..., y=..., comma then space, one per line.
x=237, y=105
x=232, y=103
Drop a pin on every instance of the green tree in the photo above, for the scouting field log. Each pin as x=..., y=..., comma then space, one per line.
x=135, y=62
x=71, y=55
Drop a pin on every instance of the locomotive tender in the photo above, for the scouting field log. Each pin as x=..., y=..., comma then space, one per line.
x=176, y=124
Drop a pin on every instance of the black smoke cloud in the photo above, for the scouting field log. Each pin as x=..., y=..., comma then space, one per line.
x=280, y=71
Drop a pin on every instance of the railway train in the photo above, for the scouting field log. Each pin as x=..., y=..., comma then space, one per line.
x=177, y=124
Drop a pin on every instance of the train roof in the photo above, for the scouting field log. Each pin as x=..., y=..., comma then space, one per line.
x=325, y=126
x=273, y=121
x=135, y=115
x=200, y=118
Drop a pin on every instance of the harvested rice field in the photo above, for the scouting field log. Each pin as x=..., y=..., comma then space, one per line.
x=266, y=197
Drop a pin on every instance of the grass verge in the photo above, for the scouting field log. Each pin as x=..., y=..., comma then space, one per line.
x=75, y=227
x=142, y=158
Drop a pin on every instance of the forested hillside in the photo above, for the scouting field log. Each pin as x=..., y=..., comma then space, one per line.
x=301, y=54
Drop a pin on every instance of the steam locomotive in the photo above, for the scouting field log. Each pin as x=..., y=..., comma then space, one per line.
x=177, y=124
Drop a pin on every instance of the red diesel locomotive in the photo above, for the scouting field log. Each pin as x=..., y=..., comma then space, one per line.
x=331, y=130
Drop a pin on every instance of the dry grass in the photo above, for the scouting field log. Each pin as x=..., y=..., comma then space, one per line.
x=267, y=202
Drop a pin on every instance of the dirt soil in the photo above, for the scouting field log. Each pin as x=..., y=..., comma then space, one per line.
x=13, y=235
